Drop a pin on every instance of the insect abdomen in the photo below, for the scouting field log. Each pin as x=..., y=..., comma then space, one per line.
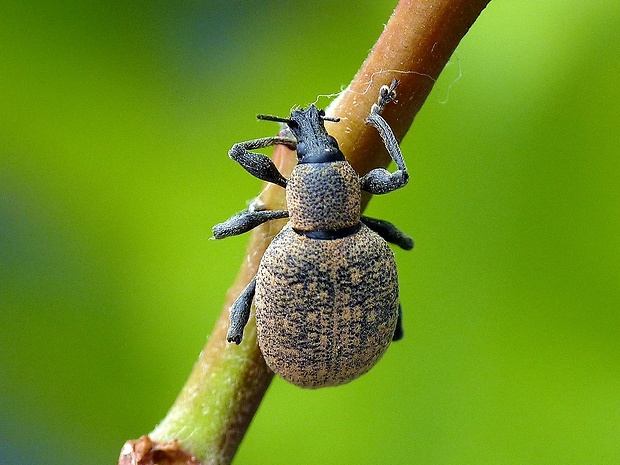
x=326, y=310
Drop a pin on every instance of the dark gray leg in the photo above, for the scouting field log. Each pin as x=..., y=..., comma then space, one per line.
x=398, y=333
x=389, y=232
x=257, y=164
x=246, y=220
x=240, y=313
x=380, y=180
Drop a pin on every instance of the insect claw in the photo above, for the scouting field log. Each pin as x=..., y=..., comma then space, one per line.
x=386, y=95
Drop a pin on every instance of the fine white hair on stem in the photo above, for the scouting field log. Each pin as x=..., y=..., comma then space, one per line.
x=455, y=80
x=370, y=82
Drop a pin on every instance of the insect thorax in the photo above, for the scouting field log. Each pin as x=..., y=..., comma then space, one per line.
x=323, y=196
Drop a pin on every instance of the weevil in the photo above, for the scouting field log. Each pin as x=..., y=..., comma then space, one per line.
x=326, y=289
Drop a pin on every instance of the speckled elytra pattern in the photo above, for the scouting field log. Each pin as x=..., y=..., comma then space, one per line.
x=323, y=196
x=326, y=310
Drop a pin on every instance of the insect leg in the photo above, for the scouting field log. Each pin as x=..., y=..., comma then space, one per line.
x=240, y=313
x=246, y=220
x=398, y=333
x=257, y=164
x=389, y=232
x=380, y=180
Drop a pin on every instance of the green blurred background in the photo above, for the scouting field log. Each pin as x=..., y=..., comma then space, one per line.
x=115, y=119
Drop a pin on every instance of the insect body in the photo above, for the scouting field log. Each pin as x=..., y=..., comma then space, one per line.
x=326, y=290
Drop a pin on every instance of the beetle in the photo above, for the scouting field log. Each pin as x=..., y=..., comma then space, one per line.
x=326, y=289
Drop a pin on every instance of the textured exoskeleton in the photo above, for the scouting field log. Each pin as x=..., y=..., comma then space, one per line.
x=326, y=290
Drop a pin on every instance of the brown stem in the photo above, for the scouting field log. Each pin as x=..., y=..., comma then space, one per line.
x=413, y=48
x=211, y=414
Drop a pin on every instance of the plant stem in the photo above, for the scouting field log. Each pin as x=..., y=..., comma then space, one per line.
x=215, y=407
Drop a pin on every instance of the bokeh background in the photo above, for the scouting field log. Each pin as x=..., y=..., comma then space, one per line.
x=115, y=119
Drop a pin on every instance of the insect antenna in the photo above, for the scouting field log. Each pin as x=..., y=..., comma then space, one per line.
x=274, y=118
x=333, y=119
